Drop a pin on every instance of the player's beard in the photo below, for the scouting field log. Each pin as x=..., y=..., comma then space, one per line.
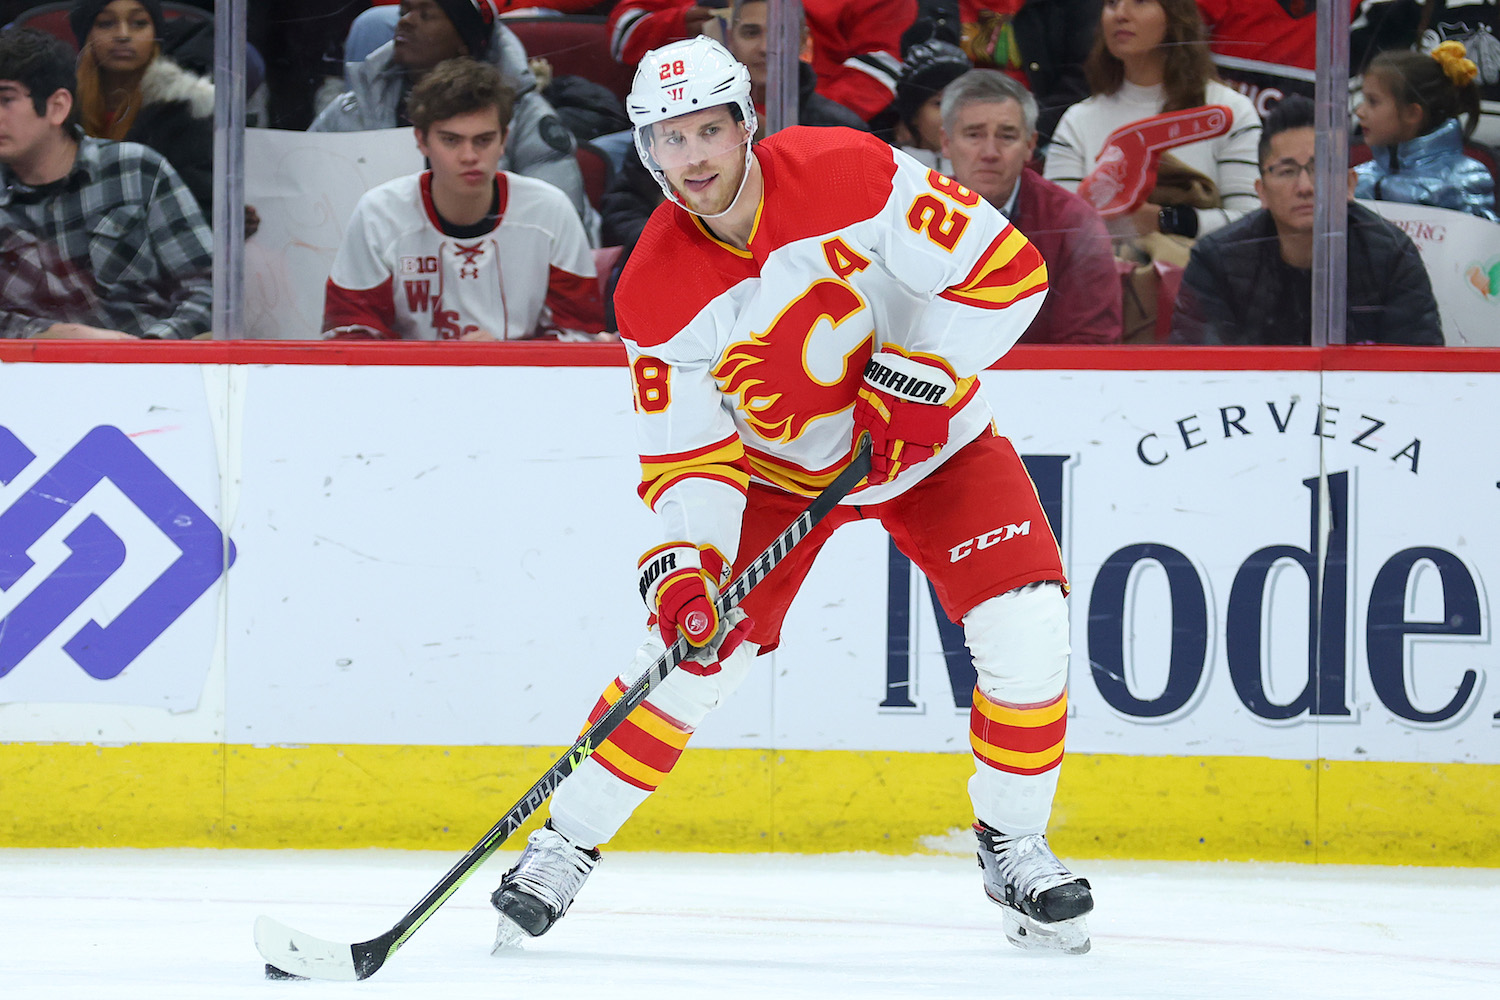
x=720, y=195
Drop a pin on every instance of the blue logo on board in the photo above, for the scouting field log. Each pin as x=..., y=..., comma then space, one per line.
x=96, y=552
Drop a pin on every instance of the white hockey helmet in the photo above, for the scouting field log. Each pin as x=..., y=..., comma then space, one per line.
x=682, y=77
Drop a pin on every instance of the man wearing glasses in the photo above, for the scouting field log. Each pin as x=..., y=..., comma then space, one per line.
x=1251, y=282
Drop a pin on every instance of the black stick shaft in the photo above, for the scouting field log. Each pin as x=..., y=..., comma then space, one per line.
x=369, y=956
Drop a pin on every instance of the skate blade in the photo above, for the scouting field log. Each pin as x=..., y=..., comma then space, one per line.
x=508, y=936
x=1068, y=936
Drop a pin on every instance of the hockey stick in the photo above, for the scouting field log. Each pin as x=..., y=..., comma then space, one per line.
x=291, y=954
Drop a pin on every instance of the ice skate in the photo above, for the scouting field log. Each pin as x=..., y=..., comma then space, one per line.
x=1043, y=902
x=539, y=889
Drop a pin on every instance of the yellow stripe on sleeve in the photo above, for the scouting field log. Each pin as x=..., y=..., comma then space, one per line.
x=725, y=461
x=1011, y=269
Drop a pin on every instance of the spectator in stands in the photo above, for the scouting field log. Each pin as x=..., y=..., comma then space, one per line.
x=929, y=67
x=1423, y=25
x=990, y=134
x=188, y=40
x=854, y=42
x=430, y=32
x=1149, y=57
x=127, y=89
x=478, y=253
x=302, y=43
x=1409, y=115
x=746, y=39
x=98, y=240
x=1251, y=281
x=1042, y=44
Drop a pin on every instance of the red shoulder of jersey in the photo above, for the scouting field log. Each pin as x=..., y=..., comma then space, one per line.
x=835, y=177
x=817, y=181
x=673, y=272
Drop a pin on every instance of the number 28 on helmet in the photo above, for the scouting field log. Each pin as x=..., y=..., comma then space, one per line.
x=688, y=76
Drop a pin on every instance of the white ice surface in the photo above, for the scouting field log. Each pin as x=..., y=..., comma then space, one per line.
x=163, y=925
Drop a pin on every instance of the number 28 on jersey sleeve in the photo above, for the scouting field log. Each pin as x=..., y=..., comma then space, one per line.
x=943, y=223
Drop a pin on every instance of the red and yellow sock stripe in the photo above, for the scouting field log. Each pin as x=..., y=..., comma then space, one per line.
x=1019, y=739
x=644, y=748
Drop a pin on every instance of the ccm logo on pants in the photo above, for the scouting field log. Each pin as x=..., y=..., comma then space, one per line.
x=987, y=539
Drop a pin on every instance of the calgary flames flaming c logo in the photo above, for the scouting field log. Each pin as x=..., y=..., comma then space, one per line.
x=779, y=396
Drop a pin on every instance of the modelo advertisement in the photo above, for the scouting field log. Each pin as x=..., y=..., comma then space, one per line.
x=1288, y=564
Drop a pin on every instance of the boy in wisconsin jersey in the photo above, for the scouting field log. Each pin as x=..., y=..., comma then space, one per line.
x=823, y=286
x=463, y=251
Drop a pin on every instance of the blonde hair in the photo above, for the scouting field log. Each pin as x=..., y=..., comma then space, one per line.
x=93, y=110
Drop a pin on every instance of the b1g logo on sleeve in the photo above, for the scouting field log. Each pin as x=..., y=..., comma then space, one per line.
x=419, y=265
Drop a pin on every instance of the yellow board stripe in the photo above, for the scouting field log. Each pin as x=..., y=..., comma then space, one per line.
x=444, y=798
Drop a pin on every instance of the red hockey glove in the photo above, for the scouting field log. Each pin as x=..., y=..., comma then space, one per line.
x=904, y=405
x=680, y=585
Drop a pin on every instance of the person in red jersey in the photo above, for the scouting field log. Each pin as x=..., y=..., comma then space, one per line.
x=854, y=42
x=824, y=286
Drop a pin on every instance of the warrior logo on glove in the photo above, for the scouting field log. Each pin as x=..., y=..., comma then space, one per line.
x=904, y=404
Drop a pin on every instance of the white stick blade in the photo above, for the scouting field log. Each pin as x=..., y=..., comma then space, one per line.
x=302, y=954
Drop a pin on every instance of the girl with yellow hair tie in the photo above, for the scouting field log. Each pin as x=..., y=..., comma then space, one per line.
x=1410, y=118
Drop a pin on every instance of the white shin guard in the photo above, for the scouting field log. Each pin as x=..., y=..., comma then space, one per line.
x=686, y=696
x=592, y=804
x=1019, y=642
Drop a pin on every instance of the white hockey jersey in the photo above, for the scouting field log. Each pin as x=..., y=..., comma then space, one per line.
x=398, y=276
x=746, y=363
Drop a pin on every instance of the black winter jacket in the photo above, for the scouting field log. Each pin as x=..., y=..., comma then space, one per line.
x=1238, y=290
x=177, y=120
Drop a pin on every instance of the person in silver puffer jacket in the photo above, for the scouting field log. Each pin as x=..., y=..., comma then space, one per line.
x=537, y=144
x=1410, y=118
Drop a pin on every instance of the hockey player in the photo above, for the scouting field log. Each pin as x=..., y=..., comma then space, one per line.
x=822, y=286
x=463, y=251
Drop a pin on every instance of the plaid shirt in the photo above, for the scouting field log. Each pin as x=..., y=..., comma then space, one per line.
x=119, y=243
